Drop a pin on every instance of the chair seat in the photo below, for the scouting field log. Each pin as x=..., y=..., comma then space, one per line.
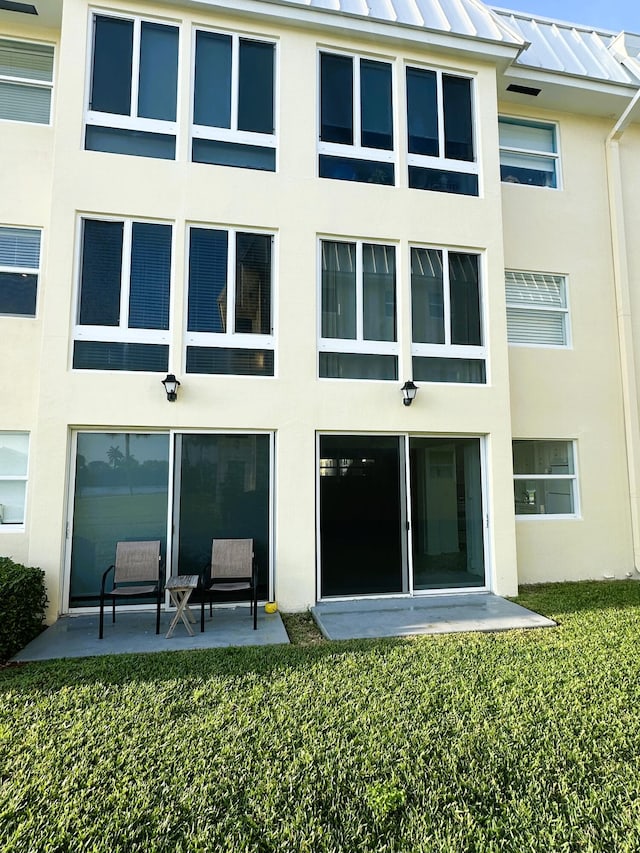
x=133, y=590
x=229, y=587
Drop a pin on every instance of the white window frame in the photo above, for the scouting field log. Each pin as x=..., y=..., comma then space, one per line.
x=16, y=526
x=31, y=82
x=357, y=151
x=132, y=121
x=25, y=270
x=441, y=162
x=548, y=309
x=121, y=333
x=534, y=153
x=573, y=478
x=359, y=345
x=232, y=339
x=447, y=349
x=232, y=134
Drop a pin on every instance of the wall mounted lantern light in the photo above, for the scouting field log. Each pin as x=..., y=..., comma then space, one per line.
x=171, y=385
x=409, y=391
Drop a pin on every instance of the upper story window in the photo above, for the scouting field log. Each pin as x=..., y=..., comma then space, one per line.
x=544, y=478
x=230, y=302
x=356, y=119
x=358, y=334
x=122, y=318
x=14, y=466
x=537, y=311
x=234, y=101
x=19, y=269
x=26, y=81
x=133, y=87
x=441, y=135
x=528, y=152
x=446, y=316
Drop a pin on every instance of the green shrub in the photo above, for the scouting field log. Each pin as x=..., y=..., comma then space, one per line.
x=22, y=603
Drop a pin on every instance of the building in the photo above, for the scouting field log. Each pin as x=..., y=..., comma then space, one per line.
x=295, y=207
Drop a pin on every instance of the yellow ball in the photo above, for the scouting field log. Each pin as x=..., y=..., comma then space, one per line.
x=270, y=607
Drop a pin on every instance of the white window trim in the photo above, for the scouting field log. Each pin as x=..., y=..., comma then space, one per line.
x=573, y=478
x=357, y=151
x=231, y=339
x=232, y=134
x=25, y=271
x=441, y=162
x=17, y=526
x=565, y=311
x=35, y=84
x=121, y=333
x=554, y=156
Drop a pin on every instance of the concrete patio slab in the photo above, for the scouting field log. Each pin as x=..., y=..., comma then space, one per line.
x=438, y=614
x=77, y=636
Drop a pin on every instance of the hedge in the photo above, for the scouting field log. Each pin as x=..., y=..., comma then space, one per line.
x=22, y=604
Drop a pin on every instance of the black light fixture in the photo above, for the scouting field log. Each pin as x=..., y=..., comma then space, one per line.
x=171, y=386
x=409, y=391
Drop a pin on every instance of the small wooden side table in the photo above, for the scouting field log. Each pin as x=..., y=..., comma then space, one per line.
x=180, y=588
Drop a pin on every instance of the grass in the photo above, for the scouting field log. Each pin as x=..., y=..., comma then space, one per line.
x=519, y=741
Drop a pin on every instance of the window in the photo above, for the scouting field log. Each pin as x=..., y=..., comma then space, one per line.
x=446, y=316
x=230, y=311
x=123, y=305
x=358, y=336
x=19, y=267
x=26, y=81
x=133, y=88
x=233, y=102
x=528, y=153
x=544, y=478
x=14, y=464
x=537, y=313
x=440, y=130
x=356, y=119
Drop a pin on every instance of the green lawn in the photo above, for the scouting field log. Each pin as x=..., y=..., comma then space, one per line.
x=520, y=741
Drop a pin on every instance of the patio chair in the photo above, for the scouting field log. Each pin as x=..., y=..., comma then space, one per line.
x=233, y=569
x=136, y=572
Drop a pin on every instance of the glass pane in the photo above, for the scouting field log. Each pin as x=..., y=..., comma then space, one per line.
x=26, y=60
x=207, y=280
x=338, y=290
x=20, y=247
x=441, y=181
x=101, y=273
x=376, y=106
x=544, y=328
x=458, y=123
x=158, y=71
x=543, y=497
x=150, y=276
x=212, y=95
x=543, y=457
x=112, y=62
x=233, y=154
x=356, y=365
x=138, y=143
x=19, y=102
x=14, y=454
x=12, y=501
x=230, y=361
x=465, y=299
x=121, y=494
x=18, y=294
x=540, y=289
x=255, y=88
x=379, y=292
x=422, y=112
x=336, y=98
x=528, y=169
x=427, y=296
x=115, y=355
x=350, y=169
x=253, y=284
x=530, y=137
x=446, y=512
x=360, y=515
x=224, y=494
x=466, y=370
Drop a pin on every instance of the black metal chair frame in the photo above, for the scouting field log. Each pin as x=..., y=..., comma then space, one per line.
x=121, y=589
x=227, y=584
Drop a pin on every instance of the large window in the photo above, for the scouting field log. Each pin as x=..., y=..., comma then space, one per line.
x=358, y=336
x=133, y=87
x=440, y=130
x=356, y=119
x=122, y=319
x=233, y=101
x=446, y=316
x=14, y=464
x=537, y=312
x=19, y=267
x=230, y=310
x=26, y=80
x=528, y=152
x=544, y=478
